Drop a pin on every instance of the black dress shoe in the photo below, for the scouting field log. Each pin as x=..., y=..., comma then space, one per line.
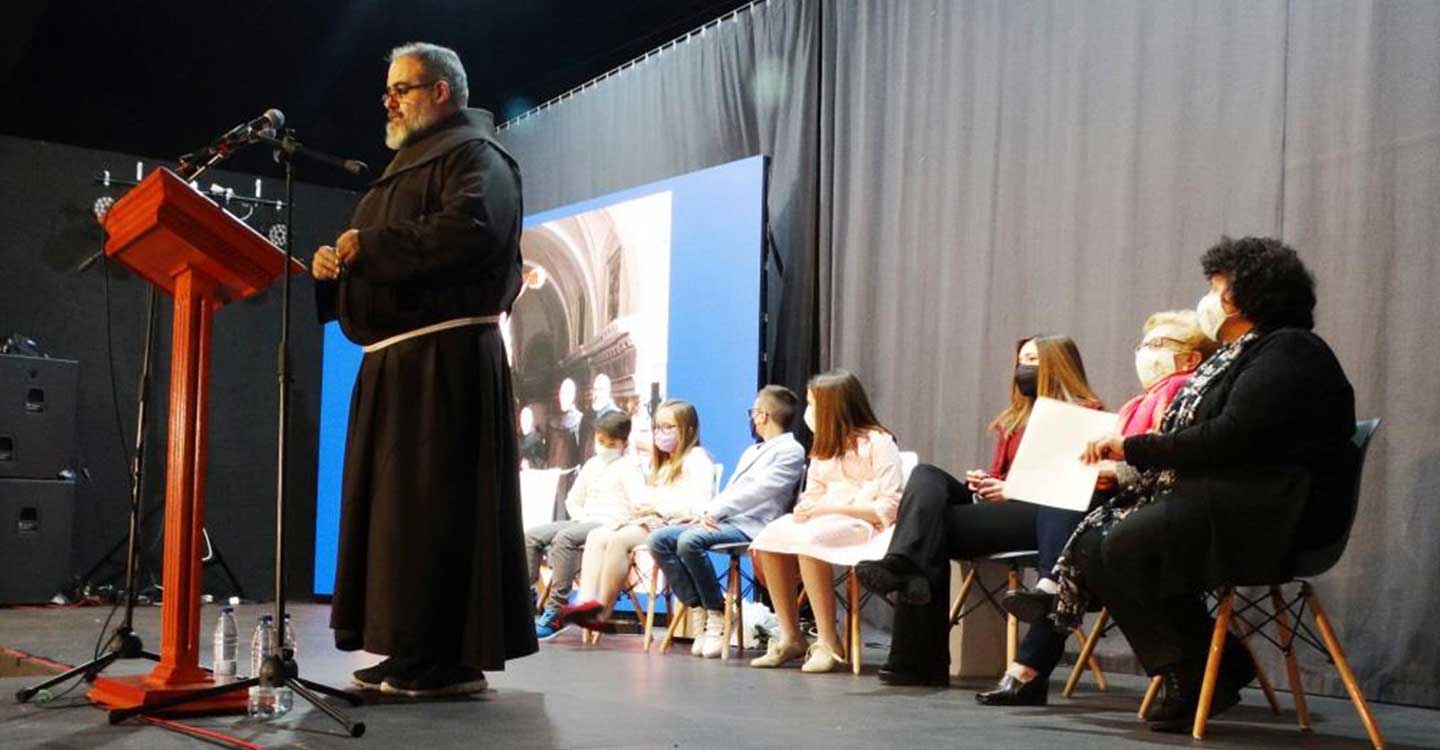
x=371, y=678
x=1028, y=606
x=903, y=678
x=887, y=576
x=1013, y=692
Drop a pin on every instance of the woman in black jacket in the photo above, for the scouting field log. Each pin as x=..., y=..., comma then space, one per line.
x=1251, y=465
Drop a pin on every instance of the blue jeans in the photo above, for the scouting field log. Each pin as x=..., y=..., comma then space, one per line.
x=682, y=552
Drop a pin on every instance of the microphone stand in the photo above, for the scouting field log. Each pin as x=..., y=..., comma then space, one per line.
x=280, y=668
x=123, y=643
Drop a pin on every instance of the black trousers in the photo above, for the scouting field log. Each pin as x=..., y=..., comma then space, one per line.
x=940, y=521
x=1148, y=569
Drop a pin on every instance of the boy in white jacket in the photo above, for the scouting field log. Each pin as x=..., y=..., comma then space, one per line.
x=607, y=491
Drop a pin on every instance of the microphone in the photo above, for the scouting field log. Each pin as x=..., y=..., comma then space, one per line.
x=267, y=124
x=264, y=126
x=99, y=209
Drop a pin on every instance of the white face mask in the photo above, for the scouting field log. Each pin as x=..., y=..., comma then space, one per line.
x=810, y=417
x=1151, y=365
x=606, y=452
x=1212, y=315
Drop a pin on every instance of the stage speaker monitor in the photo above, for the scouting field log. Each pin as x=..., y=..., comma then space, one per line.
x=37, y=416
x=36, y=520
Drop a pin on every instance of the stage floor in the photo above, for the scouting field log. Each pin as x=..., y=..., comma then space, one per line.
x=615, y=696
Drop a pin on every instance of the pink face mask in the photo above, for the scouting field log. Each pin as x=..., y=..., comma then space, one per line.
x=667, y=438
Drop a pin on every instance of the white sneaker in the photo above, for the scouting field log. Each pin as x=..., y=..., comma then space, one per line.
x=821, y=658
x=778, y=654
x=714, y=634
x=695, y=627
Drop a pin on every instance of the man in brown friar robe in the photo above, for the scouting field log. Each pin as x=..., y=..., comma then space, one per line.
x=431, y=569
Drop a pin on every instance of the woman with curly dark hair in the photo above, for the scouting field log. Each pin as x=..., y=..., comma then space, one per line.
x=1251, y=465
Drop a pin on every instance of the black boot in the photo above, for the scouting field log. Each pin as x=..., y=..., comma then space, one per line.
x=1179, y=692
x=895, y=575
x=1013, y=692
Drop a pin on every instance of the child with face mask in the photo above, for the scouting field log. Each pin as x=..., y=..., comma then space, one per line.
x=678, y=490
x=607, y=491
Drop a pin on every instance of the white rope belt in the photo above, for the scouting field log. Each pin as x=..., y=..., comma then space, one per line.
x=436, y=328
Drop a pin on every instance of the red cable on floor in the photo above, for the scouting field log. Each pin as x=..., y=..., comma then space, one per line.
x=174, y=726
x=23, y=656
x=199, y=733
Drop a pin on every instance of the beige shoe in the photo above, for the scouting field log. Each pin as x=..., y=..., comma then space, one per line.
x=714, y=634
x=778, y=654
x=695, y=628
x=821, y=658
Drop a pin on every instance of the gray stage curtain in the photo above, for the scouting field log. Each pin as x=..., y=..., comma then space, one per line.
x=988, y=170
x=744, y=87
x=1362, y=203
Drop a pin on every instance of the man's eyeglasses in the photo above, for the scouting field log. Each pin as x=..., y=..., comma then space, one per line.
x=399, y=90
x=752, y=413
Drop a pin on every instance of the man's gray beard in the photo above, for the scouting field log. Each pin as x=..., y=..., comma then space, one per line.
x=399, y=135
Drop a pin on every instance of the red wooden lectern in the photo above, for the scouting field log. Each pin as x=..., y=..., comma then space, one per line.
x=203, y=257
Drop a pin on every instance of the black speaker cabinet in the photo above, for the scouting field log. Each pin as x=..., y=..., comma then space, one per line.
x=36, y=520
x=37, y=416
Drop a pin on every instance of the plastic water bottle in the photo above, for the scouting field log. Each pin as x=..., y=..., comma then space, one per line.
x=284, y=697
x=289, y=645
x=261, y=643
x=227, y=646
x=262, y=703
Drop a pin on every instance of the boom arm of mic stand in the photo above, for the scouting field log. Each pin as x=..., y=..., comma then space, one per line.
x=289, y=148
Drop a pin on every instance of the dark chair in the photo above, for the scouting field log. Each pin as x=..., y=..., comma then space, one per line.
x=1308, y=564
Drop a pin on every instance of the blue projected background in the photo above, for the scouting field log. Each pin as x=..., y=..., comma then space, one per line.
x=716, y=254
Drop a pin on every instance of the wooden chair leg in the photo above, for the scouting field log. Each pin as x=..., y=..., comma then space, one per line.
x=959, y=604
x=1012, y=623
x=677, y=615
x=1087, y=656
x=1342, y=665
x=853, y=616
x=730, y=595
x=650, y=607
x=1087, y=648
x=1292, y=668
x=1212, y=664
x=1150, y=693
x=545, y=582
x=739, y=610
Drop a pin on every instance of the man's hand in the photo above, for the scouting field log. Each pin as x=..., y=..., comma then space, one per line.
x=347, y=247
x=991, y=490
x=325, y=266
x=708, y=522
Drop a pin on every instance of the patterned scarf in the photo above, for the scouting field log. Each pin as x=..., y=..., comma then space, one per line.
x=1073, y=599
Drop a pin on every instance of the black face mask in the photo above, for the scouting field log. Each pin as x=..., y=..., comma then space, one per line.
x=754, y=434
x=1027, y=380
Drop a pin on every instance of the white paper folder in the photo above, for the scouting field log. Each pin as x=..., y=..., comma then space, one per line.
x=1047, y=469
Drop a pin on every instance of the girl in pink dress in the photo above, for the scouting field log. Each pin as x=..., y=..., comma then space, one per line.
x=852, y=492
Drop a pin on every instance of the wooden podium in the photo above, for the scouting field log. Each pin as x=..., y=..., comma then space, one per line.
x=203, y=257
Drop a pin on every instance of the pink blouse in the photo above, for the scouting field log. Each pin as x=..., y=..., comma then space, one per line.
x=868, y=474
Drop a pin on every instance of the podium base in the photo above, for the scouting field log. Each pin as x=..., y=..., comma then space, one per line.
x=139, y=691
